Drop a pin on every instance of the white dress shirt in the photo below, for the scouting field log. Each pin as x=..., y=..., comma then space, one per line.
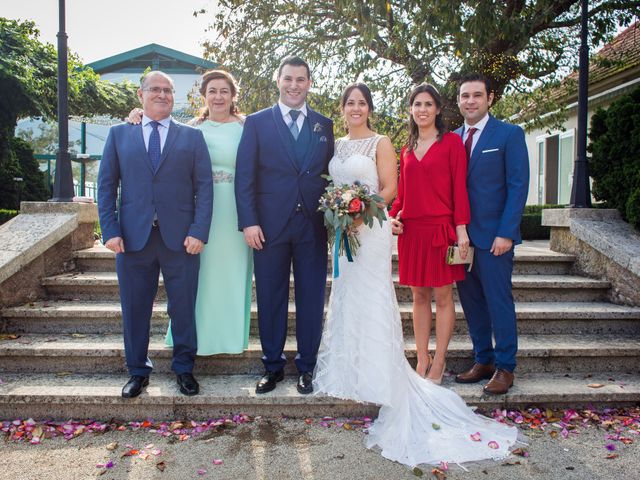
x=284, y=109
x=163, y=130
x=479, y=128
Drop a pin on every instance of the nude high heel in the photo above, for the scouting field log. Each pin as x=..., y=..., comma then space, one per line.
x=428, y=366
x=438, y=381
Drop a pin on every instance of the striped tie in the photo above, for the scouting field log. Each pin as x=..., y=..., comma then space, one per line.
x=293, y=127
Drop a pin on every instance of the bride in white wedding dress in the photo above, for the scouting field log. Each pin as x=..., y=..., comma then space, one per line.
x=362, y=356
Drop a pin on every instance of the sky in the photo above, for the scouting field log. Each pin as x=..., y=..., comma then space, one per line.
x=98, y=29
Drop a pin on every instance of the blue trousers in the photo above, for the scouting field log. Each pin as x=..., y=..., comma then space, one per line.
x=138, y=281
x=488, y=306
x=298, y=244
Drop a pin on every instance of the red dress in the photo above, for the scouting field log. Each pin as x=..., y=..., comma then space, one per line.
x=432, y=194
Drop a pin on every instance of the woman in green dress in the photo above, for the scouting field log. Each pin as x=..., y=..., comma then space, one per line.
x=223, y=304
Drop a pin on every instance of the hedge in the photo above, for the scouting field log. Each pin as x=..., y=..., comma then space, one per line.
x=615, y=156
x=6, y=215
x=531, y=225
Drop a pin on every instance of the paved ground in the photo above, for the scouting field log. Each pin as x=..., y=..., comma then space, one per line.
x=292, y=449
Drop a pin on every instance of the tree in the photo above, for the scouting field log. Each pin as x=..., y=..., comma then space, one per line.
x=28, y=88
x=393, y=44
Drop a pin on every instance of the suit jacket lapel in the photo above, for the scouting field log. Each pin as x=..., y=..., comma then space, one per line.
x=172, y=134
x=285, y=135
x=485, y=136
x=137, y=140
x=312, y=153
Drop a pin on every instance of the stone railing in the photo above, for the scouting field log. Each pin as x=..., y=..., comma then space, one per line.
x=604, y=245
x=39, y=242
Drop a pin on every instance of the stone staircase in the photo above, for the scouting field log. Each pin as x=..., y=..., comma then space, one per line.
x=67, y=361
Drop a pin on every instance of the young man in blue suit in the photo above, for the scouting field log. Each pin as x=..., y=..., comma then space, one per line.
x=498, y=184
x=161, y=223
x=283, y=152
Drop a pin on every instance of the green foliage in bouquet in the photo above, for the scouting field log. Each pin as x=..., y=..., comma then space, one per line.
x=342, y=204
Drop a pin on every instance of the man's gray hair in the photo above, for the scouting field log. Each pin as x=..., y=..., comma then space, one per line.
x=153, y=73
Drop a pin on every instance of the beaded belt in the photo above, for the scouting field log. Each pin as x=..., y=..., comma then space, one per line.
x=222, y=176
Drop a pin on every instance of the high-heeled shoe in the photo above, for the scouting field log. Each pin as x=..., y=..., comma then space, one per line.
x=438, y=381
x=426, y=372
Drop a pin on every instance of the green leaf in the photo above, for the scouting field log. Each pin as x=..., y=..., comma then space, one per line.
x=328, y=217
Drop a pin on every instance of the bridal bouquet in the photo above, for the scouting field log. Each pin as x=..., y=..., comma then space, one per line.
x=342, y=204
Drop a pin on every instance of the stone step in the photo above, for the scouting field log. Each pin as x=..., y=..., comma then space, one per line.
x=98, y=396
x=79, y=353
x=526, y=288
x=64, y=316
x=530, y=258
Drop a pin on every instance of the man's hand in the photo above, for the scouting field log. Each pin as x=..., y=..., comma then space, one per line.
x=193, y=245
x=254, y=237
x=501, y=245
x=115, y=244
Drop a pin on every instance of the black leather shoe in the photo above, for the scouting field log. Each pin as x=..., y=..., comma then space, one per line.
x=134, y=386
x=305, y=383
x=188, y=384
x=268, y=381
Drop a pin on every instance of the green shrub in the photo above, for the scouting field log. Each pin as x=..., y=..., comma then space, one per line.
x=531, y=225
x=615, y=156
x=20, y=163
x=6, y=215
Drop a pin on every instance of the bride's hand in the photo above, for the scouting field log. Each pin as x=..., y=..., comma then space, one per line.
x=357, y=222
x=135, y=116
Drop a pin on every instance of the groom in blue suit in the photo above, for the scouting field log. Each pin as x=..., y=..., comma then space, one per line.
x=498, y=184
x=283, y=153
x=161, y=223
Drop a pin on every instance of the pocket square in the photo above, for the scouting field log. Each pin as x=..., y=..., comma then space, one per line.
x=490, y=150
x=322, y=139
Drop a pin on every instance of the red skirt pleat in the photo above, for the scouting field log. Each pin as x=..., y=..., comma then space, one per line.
x=422, y=250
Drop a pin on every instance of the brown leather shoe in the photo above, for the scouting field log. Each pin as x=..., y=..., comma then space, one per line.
x=499, y=383
x=476, y=373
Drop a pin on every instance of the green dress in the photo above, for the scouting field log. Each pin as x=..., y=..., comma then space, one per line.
x=223, y=304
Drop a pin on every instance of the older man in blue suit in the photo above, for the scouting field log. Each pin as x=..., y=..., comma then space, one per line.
x=498, y=183
x=283, y=152
x=161, y=224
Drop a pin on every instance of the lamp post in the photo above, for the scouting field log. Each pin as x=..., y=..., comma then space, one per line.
x=580, y=190
x=63, y=181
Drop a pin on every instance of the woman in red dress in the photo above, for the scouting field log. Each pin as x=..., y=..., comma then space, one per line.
x=431, y=212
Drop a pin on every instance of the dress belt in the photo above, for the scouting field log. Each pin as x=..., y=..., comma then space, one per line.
x=444, y=236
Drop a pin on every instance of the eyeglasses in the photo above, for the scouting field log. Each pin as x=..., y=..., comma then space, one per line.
x=159, y=90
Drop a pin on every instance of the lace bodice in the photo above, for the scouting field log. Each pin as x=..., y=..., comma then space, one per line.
x=356, y=160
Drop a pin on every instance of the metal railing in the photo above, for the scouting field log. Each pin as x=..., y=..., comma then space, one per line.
x=82, y=188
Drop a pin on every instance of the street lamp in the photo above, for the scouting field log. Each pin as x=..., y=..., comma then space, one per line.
x=580, y=190
x=63, y=181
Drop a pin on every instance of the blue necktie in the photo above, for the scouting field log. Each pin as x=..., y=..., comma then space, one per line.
x=154, y=146
x=293, y=128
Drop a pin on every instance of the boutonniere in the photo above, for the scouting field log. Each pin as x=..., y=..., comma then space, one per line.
x=317, y=128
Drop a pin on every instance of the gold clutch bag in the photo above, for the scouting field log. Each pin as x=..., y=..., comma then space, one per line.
x=454, y=258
